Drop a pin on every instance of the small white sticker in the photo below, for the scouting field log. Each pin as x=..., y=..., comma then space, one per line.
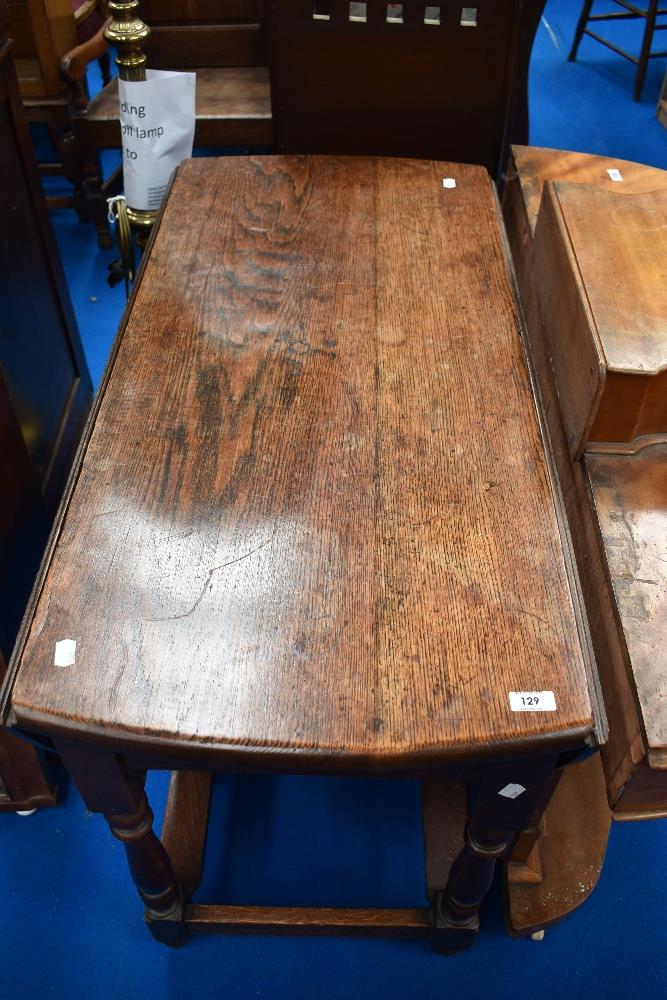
x=448, y=182
x=65, y=653
x=532, y=701
x=512, y=791
x=615, y=174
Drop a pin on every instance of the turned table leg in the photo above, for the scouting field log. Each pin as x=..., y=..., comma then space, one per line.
x=506, y=800
x=109, y=787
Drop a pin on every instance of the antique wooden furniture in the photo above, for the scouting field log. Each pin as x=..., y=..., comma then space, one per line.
x=40, y=351
x=24, y=782
x=45, y=394
x=439, y=81
x=89, y=18
x=43, y=31
x=590, y=268
x=442, y=81
x=224, y=41
x=631, y=11
x=24, y=526
x=289, y=547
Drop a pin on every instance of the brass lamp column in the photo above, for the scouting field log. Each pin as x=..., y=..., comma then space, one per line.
x=127, y=33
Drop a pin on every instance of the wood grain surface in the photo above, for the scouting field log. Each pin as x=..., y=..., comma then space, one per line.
x=533, y=165
x=232, y=91
x=186, y=825
x=217, y=919
x=601, y=274
x=232, y=103
x=572, y=851
x=621, y=247
x=630, y=497
x=624, y=744
x=314, y=516
x=634, y=789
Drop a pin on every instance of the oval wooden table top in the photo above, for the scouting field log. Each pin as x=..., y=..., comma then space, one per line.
x=314, y=517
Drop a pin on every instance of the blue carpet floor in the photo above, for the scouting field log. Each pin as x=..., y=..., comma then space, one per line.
x=70, y=924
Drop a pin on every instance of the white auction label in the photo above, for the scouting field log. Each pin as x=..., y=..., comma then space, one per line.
x=615, y=174
x=65, y=654
x=532, y=701
x=512, y=791
x=157, y=122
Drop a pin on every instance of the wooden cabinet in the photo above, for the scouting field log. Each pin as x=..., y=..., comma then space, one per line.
x=40, y=351
x=45, y=388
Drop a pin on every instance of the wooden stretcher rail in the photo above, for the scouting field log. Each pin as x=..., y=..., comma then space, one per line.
x=217, y=919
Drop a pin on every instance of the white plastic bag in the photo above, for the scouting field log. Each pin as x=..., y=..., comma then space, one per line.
x=157, y=118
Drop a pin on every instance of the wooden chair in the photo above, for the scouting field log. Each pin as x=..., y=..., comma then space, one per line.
x=437, y=81
x=630, y=12
x=224, y=41
x=42, y=32
x=89, y=17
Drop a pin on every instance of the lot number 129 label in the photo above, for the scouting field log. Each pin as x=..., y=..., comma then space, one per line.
x=532, y=701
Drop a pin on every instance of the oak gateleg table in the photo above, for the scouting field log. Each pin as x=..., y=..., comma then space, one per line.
x=313, y=527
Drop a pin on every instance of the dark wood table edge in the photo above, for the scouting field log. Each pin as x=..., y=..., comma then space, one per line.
x=72, y=480
x=588, y=655
x=161, y=753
